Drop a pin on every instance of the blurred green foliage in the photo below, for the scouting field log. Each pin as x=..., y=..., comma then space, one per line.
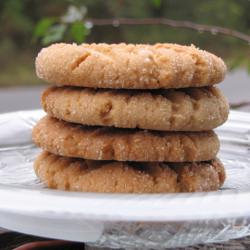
x=27, y=25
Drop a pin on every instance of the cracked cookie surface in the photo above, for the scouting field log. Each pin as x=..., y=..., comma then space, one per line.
x=195, y=109
x=129, y=66
x=71, y=174
x=104, y=143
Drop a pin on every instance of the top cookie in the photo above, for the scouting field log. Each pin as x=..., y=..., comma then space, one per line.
x=129, y=66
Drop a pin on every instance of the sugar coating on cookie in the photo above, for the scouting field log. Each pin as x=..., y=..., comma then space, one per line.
x=194, y=109
x=71, y=174
x=103, y=143
x=129, y=66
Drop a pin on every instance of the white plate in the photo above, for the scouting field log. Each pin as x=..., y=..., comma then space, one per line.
x=123, y=220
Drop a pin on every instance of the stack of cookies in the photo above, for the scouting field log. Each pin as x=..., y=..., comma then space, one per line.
x=130, y=118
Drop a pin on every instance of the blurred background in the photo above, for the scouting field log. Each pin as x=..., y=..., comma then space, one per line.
x=221, y=27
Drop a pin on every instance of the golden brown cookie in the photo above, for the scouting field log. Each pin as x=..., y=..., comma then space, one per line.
x=128, y=177
x=194, y=109
x=103, y=143
x=129, y=66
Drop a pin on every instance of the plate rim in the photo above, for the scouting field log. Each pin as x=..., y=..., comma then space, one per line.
x=163, y=202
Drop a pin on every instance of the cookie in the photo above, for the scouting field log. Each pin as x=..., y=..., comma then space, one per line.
x=72, y=174
x=129, y=66
x=194, y=109
x=104, y=143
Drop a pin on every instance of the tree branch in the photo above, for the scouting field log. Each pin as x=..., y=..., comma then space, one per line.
x=172, y=23
x=239, y=105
